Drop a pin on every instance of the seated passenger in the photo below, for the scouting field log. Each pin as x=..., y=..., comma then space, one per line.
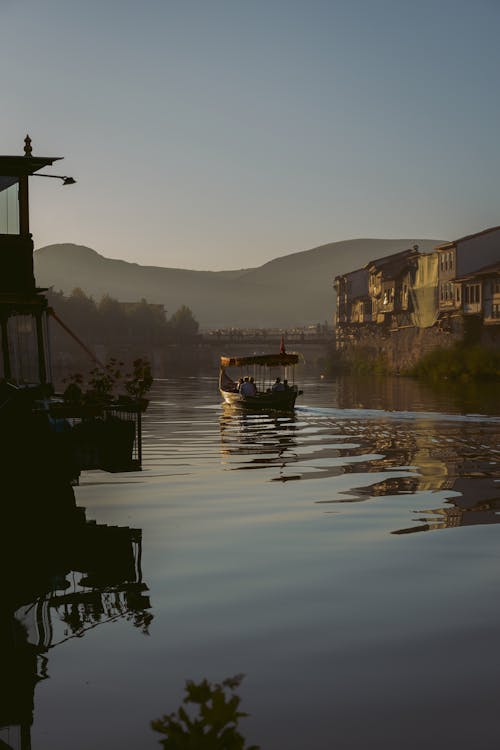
x=278, y=385
x=247, y=388
x=252, y=383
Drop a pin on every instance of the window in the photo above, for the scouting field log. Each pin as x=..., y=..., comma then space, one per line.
x=496, y=311
x=9, y=206
x=472, y=294
x=496, y=287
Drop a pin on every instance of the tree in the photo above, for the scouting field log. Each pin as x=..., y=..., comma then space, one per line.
x=183, y=323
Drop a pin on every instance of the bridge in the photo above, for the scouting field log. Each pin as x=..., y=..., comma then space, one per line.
x=314, y=346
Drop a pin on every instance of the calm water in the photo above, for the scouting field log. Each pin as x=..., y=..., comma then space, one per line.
x=290, y=548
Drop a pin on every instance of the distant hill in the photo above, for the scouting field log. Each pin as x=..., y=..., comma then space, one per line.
x=295, y=289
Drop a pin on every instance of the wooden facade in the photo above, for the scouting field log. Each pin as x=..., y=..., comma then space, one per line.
x=464, y=281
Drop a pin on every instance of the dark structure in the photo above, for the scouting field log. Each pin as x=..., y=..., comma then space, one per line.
x=46, y=535
x=106, y=436
x=23, y=307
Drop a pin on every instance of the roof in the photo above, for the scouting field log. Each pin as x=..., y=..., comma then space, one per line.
x=25, y=165
x=448, y=245
x=395, y=258
x=269, y=360
x=490, y=270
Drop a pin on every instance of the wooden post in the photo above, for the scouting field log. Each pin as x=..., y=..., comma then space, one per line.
x=24, y=213
x=7, y=372
x=42, y=366
x=139, y=437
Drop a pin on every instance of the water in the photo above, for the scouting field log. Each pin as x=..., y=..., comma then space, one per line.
x=290, y=548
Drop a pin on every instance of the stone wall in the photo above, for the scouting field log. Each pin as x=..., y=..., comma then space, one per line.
x=400, y=349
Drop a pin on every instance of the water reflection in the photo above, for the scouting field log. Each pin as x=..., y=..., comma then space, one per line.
x=75, y=576
x=409, y=453
x=409, y=394
x=267, y=439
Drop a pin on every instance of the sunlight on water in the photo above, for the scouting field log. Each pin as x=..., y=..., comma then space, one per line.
x=288, y=547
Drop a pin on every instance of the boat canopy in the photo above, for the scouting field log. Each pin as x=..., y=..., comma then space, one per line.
x=269, y=360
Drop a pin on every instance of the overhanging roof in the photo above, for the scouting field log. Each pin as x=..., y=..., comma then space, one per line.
x=269, y=360
x=19, y=166
x=492, y=270
x=449, y=245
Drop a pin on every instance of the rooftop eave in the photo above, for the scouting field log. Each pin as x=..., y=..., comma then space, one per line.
x=20, y=166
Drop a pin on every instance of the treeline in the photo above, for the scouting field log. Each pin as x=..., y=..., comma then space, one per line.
x=113, y=329
x=113, y=323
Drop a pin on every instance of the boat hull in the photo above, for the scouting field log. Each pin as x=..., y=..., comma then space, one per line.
x=276, y=401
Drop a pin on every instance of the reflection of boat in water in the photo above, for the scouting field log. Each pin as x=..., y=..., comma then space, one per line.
x=279, y=396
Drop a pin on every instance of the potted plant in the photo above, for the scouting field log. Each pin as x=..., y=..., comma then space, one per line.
x=137, y=384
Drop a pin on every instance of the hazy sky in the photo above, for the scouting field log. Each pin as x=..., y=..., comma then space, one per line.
x=223, y=133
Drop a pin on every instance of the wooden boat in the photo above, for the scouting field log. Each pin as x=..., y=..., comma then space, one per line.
x=267, y=397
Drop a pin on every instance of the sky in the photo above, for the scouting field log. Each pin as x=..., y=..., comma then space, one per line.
x=219, y=134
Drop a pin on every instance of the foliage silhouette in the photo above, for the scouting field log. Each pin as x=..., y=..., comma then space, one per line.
x=124, y=330
x=104, y=385
x=216, y=725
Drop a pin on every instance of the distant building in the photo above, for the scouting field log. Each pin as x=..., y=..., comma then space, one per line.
x=480, y=293
x=439, y=291
x=389, y=281
x=460, y=258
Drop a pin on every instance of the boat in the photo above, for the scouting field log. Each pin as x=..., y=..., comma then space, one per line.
x=277, y=395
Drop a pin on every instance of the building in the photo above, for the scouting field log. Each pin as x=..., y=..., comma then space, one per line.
x=479, y=293
x=405, y=304
x=459, y=259
x=389, y=281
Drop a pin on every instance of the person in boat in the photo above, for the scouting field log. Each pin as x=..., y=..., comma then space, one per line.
x=286, y=387
x=252, y=381
x=248, y=388
x=238, y=385
x=278, y=385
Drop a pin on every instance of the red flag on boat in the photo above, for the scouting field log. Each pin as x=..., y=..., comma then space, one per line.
x=282, y=346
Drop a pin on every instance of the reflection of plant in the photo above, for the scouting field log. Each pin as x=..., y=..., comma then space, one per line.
x=139, y=382
x=141, y=620
x=216, y=727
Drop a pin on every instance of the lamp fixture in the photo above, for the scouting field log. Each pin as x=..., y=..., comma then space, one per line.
x=66, y=180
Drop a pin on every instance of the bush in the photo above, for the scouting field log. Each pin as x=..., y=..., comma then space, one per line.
x=459, y=362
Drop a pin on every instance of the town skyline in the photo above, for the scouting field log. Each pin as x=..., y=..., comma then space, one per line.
x=220, y=136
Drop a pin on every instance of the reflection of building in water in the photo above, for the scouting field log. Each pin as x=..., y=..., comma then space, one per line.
x=47, y=606
x=447, y=460
x=478, y=501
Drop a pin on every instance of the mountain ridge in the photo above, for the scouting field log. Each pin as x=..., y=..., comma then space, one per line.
x=290, y=290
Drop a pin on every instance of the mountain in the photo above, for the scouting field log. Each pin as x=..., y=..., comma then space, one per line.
x=295, y=289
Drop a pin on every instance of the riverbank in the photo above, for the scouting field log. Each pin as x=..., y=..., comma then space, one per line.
x=459, y=362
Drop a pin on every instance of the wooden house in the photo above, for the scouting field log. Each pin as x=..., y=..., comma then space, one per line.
x=479, y=292
x=389, y=282
x=458, y=259
x=353, y=300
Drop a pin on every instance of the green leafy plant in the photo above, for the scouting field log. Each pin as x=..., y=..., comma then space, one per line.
x=216, y=725
x=140, y=380
x=103, y=382
x=73, y=393
x=459, y=362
